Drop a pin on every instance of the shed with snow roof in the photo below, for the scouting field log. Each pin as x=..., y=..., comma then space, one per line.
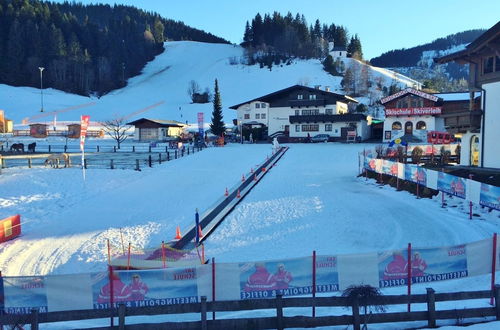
x=156, y=129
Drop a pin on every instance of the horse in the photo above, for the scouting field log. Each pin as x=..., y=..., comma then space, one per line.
x=54, y=159
x=31, y=147
x=17, y=147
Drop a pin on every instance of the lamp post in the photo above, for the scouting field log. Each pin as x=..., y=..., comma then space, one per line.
x=41, y=68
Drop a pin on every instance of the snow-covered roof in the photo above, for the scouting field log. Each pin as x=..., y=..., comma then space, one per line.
x=460, y=96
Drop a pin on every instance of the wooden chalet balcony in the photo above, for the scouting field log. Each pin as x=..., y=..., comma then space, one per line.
x=460, y=122
x=306, y=103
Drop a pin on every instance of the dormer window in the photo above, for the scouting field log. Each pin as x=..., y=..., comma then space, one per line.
x=312, y=97
x=257, y=105
x=300, y=97
x=262, y=105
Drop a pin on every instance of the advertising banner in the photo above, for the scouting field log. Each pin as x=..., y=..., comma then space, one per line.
x=415, y=173
x=427, y=265
x=266, y=279
x=327, y=275
x=146, y=288
x=22, y=294
x=200, y=125
x=386, y=167
x=490, y=196
x=451, y=184
x=84, y=123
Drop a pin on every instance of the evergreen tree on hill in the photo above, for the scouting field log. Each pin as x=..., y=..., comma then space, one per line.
x=217, y=126
x=354, y=48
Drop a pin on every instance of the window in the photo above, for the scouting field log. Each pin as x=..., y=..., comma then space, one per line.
x=421, y=125
x=246, y=116
x=488, y=64
x=328, y=127
x=310, y=112
x=257, y=116
x=257, y=105
x=497, y=65
x=312, y=97
x=297, y=112
x=262, y=116
x=297, y=128
x=262, y=105
x=310, y=128
x=416, y=102
x=329, y=111
x=336, y=130
x=409, y=128
x=300, y=97
x=396, y=126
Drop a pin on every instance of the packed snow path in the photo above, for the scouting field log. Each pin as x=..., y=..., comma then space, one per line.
x=312, y=201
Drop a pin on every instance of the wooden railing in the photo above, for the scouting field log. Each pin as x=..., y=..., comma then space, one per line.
x=355, y=318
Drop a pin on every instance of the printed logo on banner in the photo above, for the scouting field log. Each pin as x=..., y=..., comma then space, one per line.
x=451, y=184
x=427, y=265
x=490, y=196
x=327, y=276
x=22, y=294
x=146, y=288
x=266, y=280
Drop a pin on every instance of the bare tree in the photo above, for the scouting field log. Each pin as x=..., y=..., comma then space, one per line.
x=193, y=88
x=116, y=129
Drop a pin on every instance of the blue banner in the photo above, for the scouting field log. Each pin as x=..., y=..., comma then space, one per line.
x=490, y=196
x=267, y=279
x=22, y=294
x=146, y=288
x=415, y=173
x=451, y=184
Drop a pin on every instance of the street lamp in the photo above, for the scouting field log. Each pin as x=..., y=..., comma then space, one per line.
x=41, y=85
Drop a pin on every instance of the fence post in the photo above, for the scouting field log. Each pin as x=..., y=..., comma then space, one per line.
x=97, y=147
x=175, y=154
x=409, y=275
x=150, y=148
x=431, y=308
x=497, y=301
x=279, y=312
x=137, y=168
x=204, y=313
x=166, y=148
x=114, y=148
x=121, y=316
x=84, y=163
x=49, y=148
x=182, y=152
x=168, y=156
x=188, y=150
x=356, y=322
x=133, y=148
x=159, y=158
x=213, y=287
x=34, y=319
x=314, y=284
x=493, y=264
x=150, y=161
x=65, y=148
x=111, y=166
x=29, y=162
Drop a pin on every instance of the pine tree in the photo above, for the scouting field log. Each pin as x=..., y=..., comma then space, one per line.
x=217, y=126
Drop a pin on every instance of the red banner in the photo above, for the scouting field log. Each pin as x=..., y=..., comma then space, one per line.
x=10, y=228
x=84, y=123
x=425, y=111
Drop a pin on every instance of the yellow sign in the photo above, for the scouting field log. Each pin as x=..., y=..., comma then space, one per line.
x=397, y=141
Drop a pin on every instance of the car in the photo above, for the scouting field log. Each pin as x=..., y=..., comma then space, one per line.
x=320, y=138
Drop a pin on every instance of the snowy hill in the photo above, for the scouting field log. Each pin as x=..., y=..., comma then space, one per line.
x=166, y=78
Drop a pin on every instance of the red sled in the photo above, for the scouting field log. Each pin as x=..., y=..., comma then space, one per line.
x=10, y=228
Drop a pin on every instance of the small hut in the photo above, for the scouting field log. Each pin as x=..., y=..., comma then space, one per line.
x=38, y=130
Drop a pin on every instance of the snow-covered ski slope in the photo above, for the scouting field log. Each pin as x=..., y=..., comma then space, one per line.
x=311, y=200
x=167, y=77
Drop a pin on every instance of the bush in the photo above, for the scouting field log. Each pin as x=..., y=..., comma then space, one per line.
x=416, y=155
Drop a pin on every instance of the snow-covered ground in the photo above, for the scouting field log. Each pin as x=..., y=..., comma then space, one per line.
x=312, y=200
x=167, y=77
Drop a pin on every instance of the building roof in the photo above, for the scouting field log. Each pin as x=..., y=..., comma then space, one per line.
x=456, y=96
x=164, y=123
x=348, y=117
x=474, y=47
x=409, y=91
x=339, y=48
x=271, y=96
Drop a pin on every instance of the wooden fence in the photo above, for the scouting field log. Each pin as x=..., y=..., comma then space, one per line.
x=279, y=321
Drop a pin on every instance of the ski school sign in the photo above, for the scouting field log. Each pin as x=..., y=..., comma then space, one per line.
x=424, y=111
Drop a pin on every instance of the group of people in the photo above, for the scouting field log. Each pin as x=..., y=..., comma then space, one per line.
x=398, y=267
x=262, y=280
x=134, y=291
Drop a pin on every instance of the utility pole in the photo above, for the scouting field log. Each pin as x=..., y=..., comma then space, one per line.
x=41, y=68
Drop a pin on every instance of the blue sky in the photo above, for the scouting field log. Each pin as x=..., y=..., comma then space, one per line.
x=381, y=25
